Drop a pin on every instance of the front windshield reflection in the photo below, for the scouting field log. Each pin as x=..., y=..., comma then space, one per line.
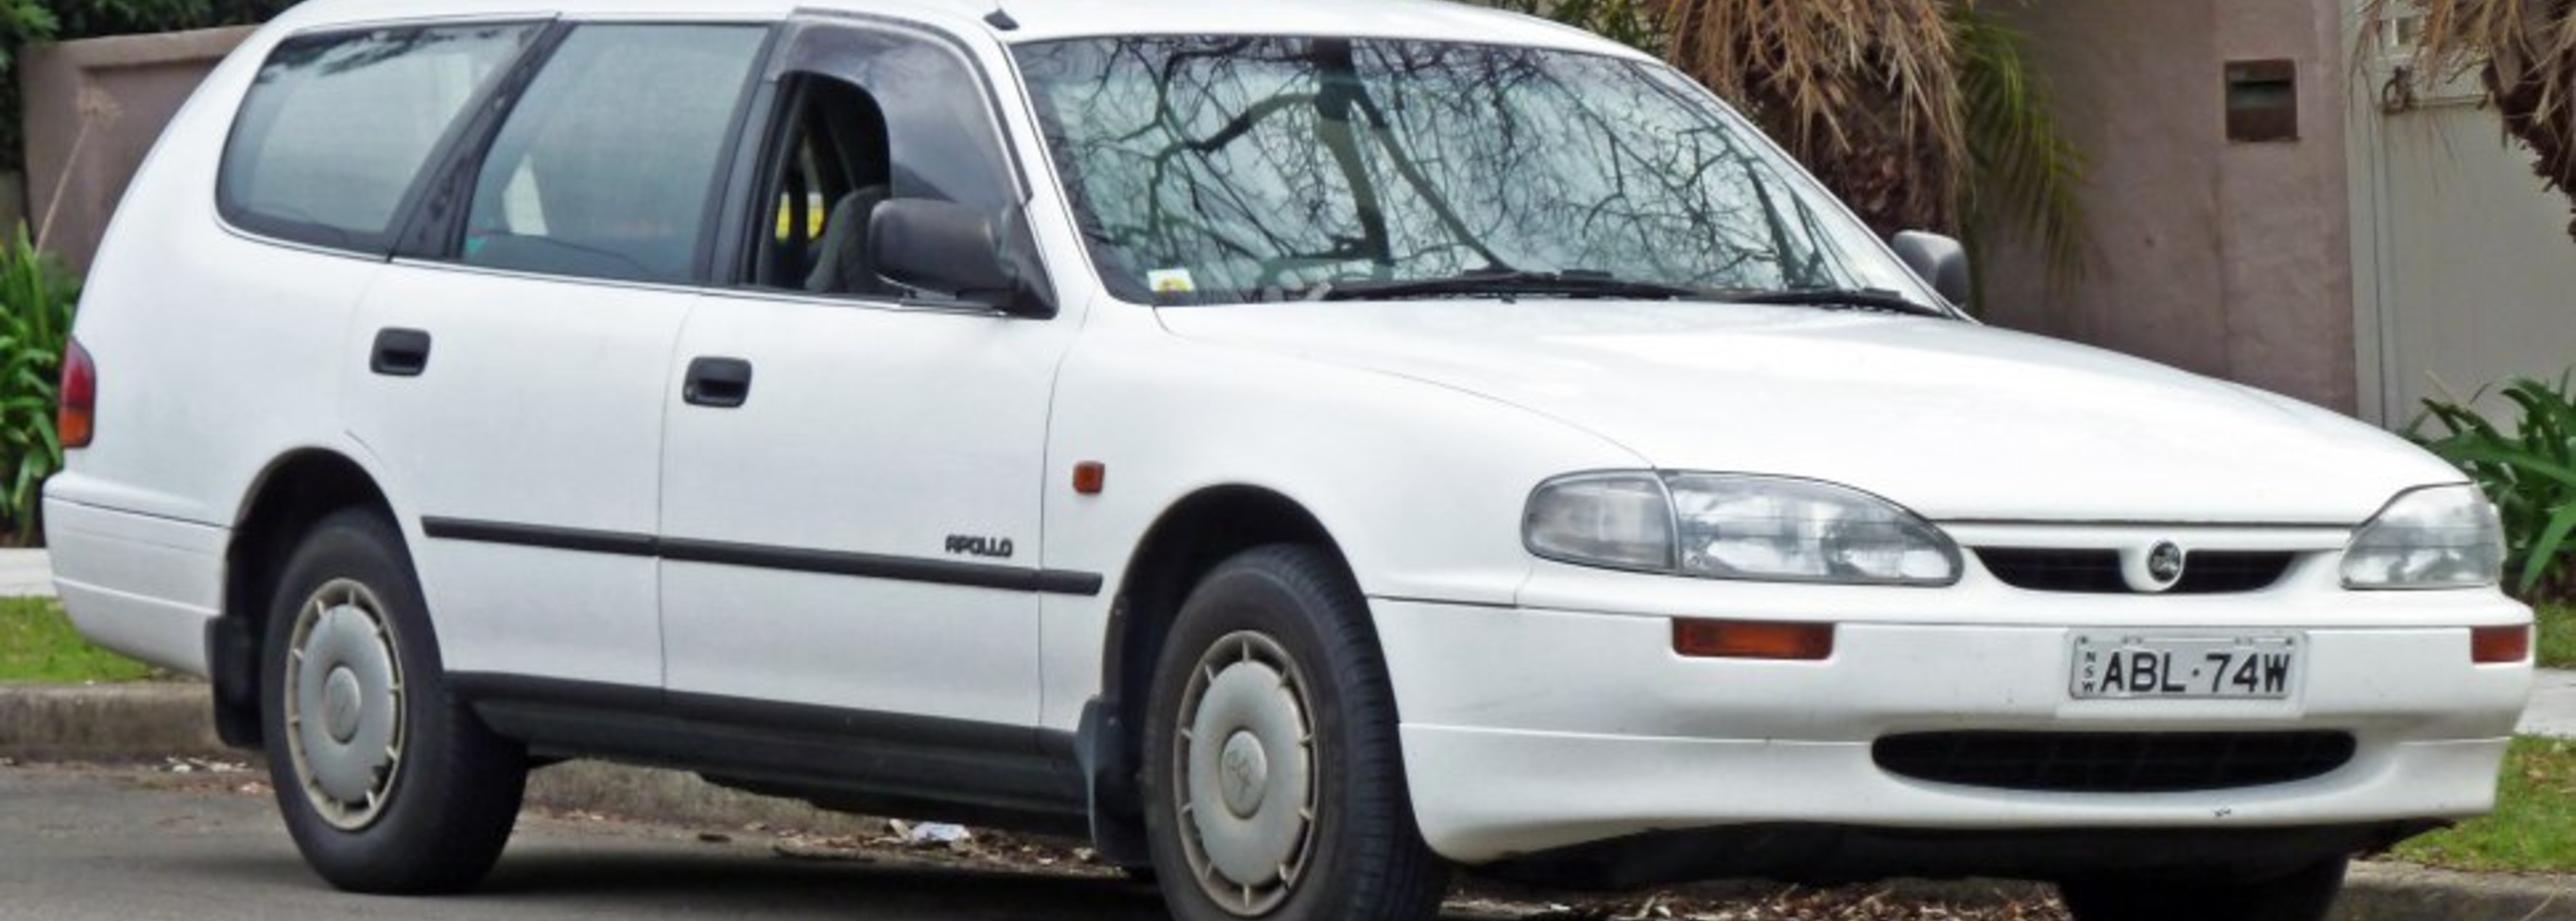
x=1231, y=169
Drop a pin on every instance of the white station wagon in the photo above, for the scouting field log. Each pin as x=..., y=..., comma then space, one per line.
x=1304, y=447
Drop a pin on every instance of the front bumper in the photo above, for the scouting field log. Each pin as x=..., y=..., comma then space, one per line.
x=1529, y=731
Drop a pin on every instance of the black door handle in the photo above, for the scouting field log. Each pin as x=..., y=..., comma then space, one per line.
x=723, y=383
x=400, y=352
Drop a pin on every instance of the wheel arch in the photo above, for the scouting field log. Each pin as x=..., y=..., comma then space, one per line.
x=1190, y=538
x=286, y=498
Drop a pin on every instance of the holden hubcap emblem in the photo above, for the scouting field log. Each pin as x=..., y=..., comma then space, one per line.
x=1246, y=774
x=340, y=705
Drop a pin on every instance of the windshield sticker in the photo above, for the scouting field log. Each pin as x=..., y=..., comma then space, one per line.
x=1170, y=281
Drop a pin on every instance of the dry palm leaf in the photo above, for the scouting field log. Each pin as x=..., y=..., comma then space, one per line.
x=2523, y=50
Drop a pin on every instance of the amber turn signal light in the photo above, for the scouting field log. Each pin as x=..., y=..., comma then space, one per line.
x=1746, y=639
x=1090, y=477
x=2499, y=645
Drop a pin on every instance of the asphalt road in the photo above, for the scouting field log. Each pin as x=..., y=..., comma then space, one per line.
x=88, y=844
x=82, y=843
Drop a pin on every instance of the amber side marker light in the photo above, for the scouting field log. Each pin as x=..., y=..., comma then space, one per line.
x=77, y=421
x=1749, y=639
x=2499, y=645
x=1090, y=477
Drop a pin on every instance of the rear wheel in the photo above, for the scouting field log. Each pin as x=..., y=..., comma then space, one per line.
x=387, y=782
x=2305, y=895
x=1275, y=785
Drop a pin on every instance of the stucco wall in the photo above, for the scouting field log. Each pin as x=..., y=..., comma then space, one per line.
x=2230, y=259
x=94, y=109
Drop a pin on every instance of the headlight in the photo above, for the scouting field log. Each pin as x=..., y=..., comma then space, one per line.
x=2434, y=537
x=1730, y=526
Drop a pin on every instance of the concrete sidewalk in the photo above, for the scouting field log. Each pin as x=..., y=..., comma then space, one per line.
x=26, y=574
x=2553, y=705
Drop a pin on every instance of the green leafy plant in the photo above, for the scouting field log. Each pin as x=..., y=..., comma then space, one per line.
x=37, y=297
x=2529, y=470
x=2023, y=171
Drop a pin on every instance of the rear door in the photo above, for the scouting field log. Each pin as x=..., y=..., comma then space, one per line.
x=509, y=374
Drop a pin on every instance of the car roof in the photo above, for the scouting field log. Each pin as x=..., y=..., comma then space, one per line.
x=1042, y=20
x=1036, y=20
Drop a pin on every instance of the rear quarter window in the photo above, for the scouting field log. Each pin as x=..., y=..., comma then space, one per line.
x=338, y=127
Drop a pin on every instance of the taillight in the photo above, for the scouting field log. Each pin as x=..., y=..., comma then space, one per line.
x=2499, y=645
x=78, y=419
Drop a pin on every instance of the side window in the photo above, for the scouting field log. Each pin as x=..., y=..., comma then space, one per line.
x=836, y=169
x=337, y=127
x=607, y=166
x=867, y=117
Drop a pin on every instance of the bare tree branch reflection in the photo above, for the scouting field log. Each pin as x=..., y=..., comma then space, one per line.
x=1264, y=166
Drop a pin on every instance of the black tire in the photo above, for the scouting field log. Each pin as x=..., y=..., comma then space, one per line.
x=433, y=819
x=1294, y=611
x=2304, y=895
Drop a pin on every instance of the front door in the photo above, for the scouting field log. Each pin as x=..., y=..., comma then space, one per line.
x=851, y=499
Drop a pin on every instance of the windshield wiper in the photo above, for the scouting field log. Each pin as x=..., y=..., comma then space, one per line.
x=1506, y=283
x=1857, y=298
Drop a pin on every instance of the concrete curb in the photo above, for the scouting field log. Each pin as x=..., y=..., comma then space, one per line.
x=2398, y=892
x=680, y=798
x=148, y=722
x=108, y=722
x=154, y=720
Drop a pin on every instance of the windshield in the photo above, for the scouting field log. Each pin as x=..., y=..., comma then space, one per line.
x=1243, y=169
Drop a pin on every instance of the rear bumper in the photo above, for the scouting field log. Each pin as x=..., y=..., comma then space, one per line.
x=1528, y=732
x=141, y=585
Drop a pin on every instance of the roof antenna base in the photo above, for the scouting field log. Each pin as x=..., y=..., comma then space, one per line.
x=1001, y=19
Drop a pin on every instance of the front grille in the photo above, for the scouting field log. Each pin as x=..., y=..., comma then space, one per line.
x=2113, y=762
x=2204, y=572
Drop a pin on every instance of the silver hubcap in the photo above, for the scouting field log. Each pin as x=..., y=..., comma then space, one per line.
x=344, y=712
x=1246, y=758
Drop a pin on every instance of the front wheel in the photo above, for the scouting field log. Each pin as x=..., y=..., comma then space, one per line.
x=388, y=783
x=2304, y=895
x=1275, y=782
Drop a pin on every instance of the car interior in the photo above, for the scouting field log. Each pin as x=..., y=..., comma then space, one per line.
x=832, y=173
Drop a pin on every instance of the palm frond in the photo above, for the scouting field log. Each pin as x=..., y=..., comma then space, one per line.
x=2525, y=52
x=1635, y=23
x=1851, y=87
x=2024, y=175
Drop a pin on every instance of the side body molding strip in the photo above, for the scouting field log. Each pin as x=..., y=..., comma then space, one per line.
x=757, y=556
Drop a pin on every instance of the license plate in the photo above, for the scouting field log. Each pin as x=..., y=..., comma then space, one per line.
x=2128, y=666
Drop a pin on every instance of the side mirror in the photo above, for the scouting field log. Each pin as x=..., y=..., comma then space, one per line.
x=1940, y=261
x=948, y=248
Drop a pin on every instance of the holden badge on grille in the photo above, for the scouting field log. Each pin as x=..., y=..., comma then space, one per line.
x=2152, y=569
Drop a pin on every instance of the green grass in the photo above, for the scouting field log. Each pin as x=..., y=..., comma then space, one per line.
x=37, y=645
x=2557, y=635
x=2534, y=826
